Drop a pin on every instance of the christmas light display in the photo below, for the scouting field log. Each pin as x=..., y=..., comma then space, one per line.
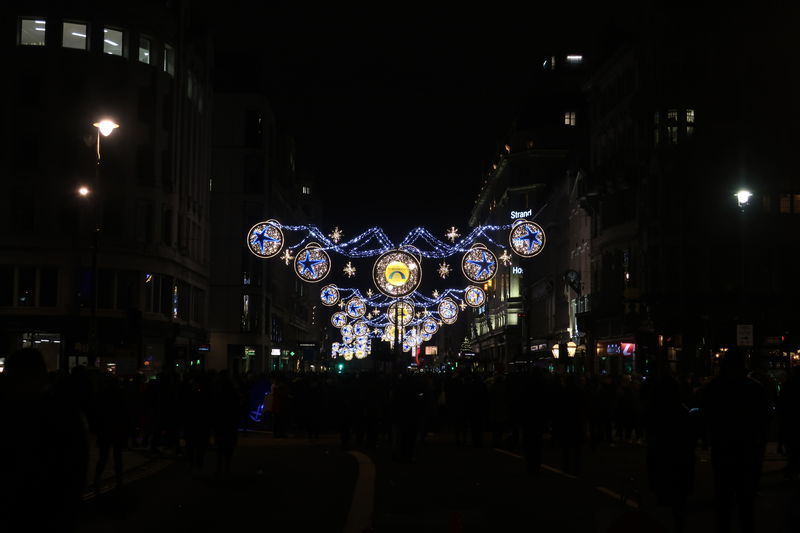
x=312, y=263
x=479, y=264
x=474, y=296
x=526, y=238
x=397, y=273
x=329, y=295
x=265, y=239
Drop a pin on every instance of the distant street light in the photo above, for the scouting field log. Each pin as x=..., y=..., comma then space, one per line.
x=84, y=191
x=571, y=348
x=743, y=196
x=106, y=126
x=555, y=350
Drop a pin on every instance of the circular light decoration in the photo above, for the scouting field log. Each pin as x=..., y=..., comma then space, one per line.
x=360, y=353
x=406, y=347
x=356, y=307
x=348, y=355
x=388, y=332
x=474, y=296
x=347, y=339
x=265, y=239
x=526, y=238
x=329, y=295
x=448, y=311
x=312, y=263
x=402, y=310
x=347, y=330
x=479, y=264
x=360, y=328
x=397, y=273
x=334, y=349
x=430, y=326
x=362, y=340
x=339, y=319
x=426, y=336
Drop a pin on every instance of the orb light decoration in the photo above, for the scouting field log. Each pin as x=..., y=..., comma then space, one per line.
x=448, y=311
x=526, y=238
x=329, y=295
x=355, y=307
x=479, y=264
x=347, y=331
x=397, y=273
x=334, y=349
x=339, y=319
x=474, y=296
x=265, y=239
x=312, y=263
x=403, y=311
x=348, y=355
x=430, y=326
x=361, y=328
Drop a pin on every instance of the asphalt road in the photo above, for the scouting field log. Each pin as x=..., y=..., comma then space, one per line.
x=288, y=485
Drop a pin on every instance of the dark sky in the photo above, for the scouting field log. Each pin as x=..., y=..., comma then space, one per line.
x=399, y=108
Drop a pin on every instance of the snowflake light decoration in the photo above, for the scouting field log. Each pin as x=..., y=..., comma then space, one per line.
x=444, y=270
x=452, y=234
x=505, y=257
x=435, y=294
x=369, y=293
x=463, y=305
x=336, y=235
x=287, y=256
x=349, y=269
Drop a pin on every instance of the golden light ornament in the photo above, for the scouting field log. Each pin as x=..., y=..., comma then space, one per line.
x=403, y=311
x=397, y=273
x=448, y=311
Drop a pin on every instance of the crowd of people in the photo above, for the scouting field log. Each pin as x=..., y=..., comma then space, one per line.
x=51, y=420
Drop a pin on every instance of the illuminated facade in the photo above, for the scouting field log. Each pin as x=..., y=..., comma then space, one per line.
x=68, y=67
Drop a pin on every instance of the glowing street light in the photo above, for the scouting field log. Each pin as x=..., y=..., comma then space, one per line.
x=555, y=351
x=743, y=197
x=84, y=191
x=571, y=348
x=106, y=126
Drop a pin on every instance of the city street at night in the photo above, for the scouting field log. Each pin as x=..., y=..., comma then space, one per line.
x=377, y=268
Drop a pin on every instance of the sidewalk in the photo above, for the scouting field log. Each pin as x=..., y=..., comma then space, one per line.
x=136, y=464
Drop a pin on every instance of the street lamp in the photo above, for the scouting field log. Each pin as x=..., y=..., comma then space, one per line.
x=571, y=348
x=743, y=197
x=555, y=351
x=104, y=127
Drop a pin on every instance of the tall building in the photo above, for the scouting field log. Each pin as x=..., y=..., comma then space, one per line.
x=529, y=306
x=143, y=216
x=262, y=315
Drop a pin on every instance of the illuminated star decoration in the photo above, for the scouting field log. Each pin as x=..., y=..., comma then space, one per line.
x=369, y=293
x=452, y=234
x=354, y=308
x=375, y=312
x=505, y=258
x=328, y=295
x=341, y=304
x=262, y=238
x=463, y=305
x=349, y=269
x=308, y=264
x=336, y=235
x=485, y=265
x=287, y=256
x=444, y=270
x=532, y=237
x=435, y=294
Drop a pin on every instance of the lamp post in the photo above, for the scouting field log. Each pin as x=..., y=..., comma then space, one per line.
x=104, y=128
x=743, y=199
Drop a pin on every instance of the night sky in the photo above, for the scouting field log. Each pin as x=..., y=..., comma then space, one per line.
x=399, y=109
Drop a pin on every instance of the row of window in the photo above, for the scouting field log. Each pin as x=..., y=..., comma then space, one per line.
x=787, y=203
x=75, y=35
x=676, y=121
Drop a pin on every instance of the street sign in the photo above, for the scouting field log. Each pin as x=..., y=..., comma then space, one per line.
x=744, y=334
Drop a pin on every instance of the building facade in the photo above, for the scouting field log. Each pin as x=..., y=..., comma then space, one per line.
x=143, y=216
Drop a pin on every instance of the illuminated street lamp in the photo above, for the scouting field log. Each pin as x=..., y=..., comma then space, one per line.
x=571, y=348
x=84, y=191
x=555, y=351
x=743, y=197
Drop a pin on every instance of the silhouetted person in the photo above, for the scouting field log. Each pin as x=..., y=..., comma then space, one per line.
x=44, y=449
x=570, y=423
x=111, y=427
x=735, y=409
x=228, y=406
x=671, y=437
x=534, y=420
x=789, y=413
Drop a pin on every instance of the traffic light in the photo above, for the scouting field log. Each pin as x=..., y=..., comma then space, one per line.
x=340, y=367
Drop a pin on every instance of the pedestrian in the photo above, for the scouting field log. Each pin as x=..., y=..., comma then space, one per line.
x=112, y=427
x=228, y=407
x=735, y=409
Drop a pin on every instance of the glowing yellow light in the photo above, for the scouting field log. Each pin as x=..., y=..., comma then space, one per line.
x=83, y=191
x=106, y=126
x=397, y=273
x=571, y=348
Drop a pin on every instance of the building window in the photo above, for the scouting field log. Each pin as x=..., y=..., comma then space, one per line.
x=74, y=36
x=169, y=60
x=569, y=118
x=112, y=42
x=26, y=287
x=786, y=203
x=672, y=115
x=32, y=32
x=690, y=116
x=306, y=189
x=673, y=134
x=144, y=50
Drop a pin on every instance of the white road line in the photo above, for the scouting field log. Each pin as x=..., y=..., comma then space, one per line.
x=604, y=490
x=359, y=519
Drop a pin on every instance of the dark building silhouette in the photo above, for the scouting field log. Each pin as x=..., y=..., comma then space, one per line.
x=67, y=66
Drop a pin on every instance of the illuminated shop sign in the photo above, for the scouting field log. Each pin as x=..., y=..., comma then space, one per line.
x=521, y=214
x=516, y=270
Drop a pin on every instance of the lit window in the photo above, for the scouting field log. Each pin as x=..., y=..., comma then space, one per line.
x=169, y=60
x=32, y=32
x=144, y=50
x=569, y=118
x=786, y=203
x=690, y=116
x=74, y=36
x=672, y=115
x=306, y=189
x=112, y=42
x=574, y=59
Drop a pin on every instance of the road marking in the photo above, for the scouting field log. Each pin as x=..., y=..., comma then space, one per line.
x=604, y=490
x=359, y=519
